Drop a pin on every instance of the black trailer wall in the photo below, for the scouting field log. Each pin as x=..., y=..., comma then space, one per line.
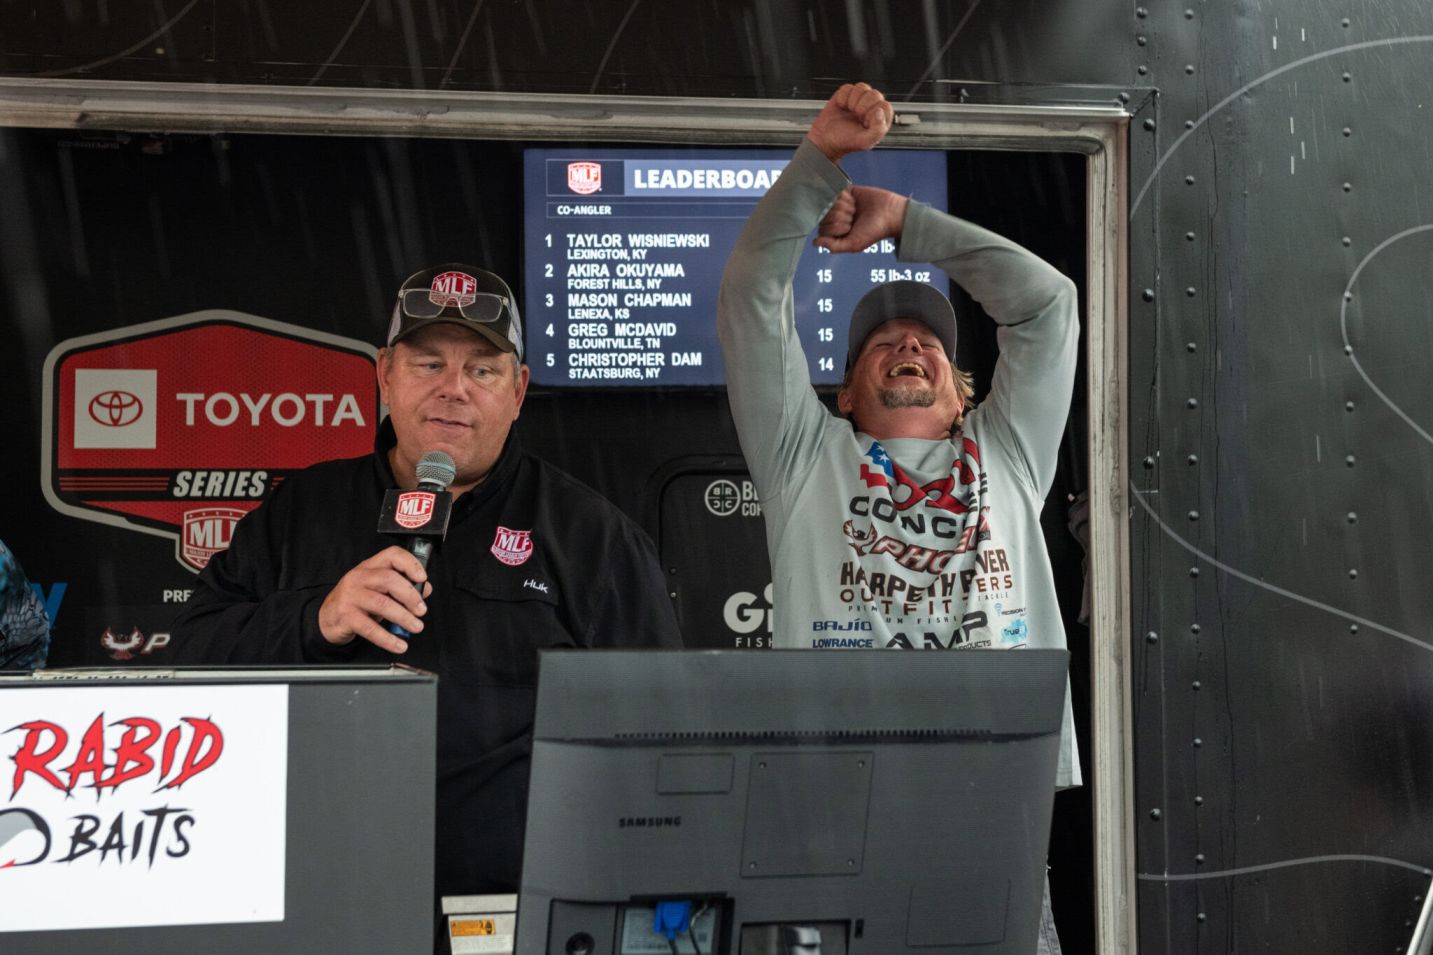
x=1279, y=414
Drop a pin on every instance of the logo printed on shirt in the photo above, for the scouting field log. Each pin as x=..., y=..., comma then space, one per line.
x=512, y=547
x=905, y=493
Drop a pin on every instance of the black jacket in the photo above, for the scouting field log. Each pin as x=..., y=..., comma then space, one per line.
x=592, y=580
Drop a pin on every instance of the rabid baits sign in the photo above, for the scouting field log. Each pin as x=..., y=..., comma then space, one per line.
x=179, y=427
x=128, y=806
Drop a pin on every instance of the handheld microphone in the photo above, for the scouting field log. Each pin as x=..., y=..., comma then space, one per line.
x=421, y=515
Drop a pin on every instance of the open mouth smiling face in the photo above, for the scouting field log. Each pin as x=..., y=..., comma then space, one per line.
x=907, y=369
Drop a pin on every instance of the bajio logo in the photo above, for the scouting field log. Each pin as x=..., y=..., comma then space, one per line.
x=179, y=427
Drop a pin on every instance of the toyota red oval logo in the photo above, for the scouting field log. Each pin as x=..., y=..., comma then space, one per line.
x=115, y=409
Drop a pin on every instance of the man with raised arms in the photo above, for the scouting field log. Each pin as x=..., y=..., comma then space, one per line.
x=911, y=520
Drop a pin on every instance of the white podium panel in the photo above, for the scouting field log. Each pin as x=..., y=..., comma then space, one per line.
x=217, y=810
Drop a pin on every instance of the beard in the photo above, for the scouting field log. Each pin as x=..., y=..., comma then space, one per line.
x=907, y=396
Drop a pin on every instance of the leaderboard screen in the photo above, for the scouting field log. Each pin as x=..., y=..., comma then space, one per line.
x=624, y=251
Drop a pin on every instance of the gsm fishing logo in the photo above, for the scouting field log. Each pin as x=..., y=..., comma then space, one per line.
x=179, y=427
x=145, y=754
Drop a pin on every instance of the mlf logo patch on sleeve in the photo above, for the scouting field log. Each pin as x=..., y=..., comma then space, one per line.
x=179, y=427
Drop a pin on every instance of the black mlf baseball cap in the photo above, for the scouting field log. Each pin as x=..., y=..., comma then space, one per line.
x=460, y=295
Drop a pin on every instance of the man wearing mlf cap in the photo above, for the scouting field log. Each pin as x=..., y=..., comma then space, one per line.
x=911, y=521
x=532, y=559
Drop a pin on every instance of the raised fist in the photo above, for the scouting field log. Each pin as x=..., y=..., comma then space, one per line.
x=856, y=117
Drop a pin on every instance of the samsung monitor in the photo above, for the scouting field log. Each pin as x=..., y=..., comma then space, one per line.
x=790, y=801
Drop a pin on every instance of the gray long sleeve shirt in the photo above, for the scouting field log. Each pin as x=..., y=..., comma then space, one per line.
x=904, y=543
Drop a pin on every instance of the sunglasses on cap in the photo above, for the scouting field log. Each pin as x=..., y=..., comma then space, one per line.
x=482, y=307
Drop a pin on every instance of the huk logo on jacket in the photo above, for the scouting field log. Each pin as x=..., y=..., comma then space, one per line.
x=179, y=427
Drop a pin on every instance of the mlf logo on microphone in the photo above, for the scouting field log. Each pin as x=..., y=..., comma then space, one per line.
x=415, y=508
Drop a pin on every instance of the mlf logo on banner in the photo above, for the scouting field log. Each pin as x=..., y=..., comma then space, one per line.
x=179, y=427
x=124, y=806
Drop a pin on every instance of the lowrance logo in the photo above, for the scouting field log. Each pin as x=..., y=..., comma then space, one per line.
x=179, y=427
